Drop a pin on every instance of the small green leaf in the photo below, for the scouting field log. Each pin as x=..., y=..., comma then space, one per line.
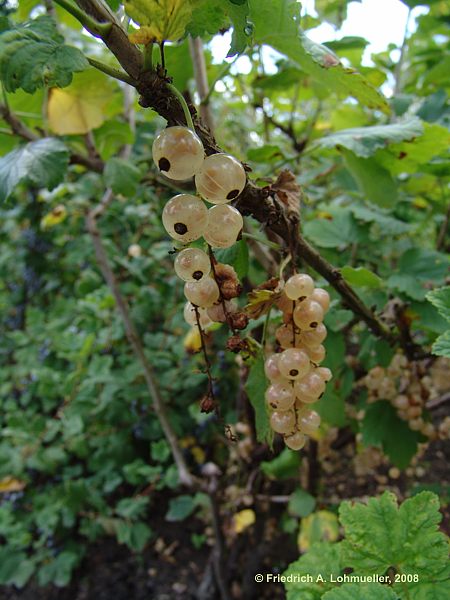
x=373, y=180
x=33, y=55
x=301, y=504
x=265, y=153
x=361, y=277
x=441, y=346
x=236, y=256
x=130, y=508
x=284, y=466
x=256, y=388
x=339, y=230
x=121, y=176
x=440, y=298
x=42, y=163
x=180, y=508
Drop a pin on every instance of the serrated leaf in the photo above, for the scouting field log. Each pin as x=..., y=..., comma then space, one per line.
x=380, y=535
x=121, y=176
x=441, y=346
x=321, y=561
x=382, y=426
x=440, y=298
x=33, y=55
x=160, y=20
x=365, y=141
x=361, y=591
x=42, y=163
x=277, y=24
x=373, y=180
x=388, y=225
x=255, y=388
x=338, y=230
x=360, y=277
x=320, y=526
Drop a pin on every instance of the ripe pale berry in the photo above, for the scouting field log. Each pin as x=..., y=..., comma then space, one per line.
x=309, y=421
x=220, y=179
x=314, y=337
x=324, y=372
x=280, y=395
x=190, y=317
x=271, y=367
x=282, y=421
x=192, y=264
x=217, y=313
x=178, y=153
x=322, y=297
x=295, y=441
x=316, y=354
x=202, y=293
x=223, y=227
x=308, y=314
x=185, y=217
x=293, y=363
x=299, y=286
x=310, y=387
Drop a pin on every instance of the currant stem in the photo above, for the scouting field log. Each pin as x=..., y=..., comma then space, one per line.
x=184, y=106
x=97, y=29
x=205, y=355
x=148, y=56
x=111, y=71
x=212, y=260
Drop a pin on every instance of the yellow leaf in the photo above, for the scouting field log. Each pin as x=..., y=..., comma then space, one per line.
x=243, y=519
x=9, y=484
x=192, y=341
x=56, y=216
x=159, y=19
x=320, y=526
x=260, y=302
x=80, y=107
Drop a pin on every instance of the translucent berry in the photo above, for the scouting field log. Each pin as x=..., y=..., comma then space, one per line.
x=220, y=179
x=299, y=286
x=293, y=363
x=324, y=372
x=185, y=217
x=316, y=354
x=190, y=318
x=314, y=337
x=217, y=313
x=285, y=304
x=308, y=314
x=282, y=421
x=271, y=367
x=309, y=421
x=224, y=225
x=202, y=293
x=285, y=336
x=322, y=297
x=310, y=387
x=280, y=395
x=178, y=153
x=295, y=441
x=192, y=264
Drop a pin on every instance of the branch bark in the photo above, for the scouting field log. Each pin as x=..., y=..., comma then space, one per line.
x=184, y=474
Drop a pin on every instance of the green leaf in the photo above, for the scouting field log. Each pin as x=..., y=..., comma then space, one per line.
x=365, y=141
x=277, y=24
x=130, y=508
x=59, y=571
x=265, y=153
x=159, y=19
x=255, y=388
x=380, y=535
x=321, y=561
x=417, y=268
x=42, y=163
x=236, y=256
x=387, y=225
x=122, y=176
x=382, y=426
x=284, y=466
x=373, y=180
x=361, y=591
x=301, y=504
x=238, y=12
x=441, y=346
x=33, y=55
x=361, y=277
x=339, y=230
x=440, y=298
x=15, y=567
x=180, y=508
x=134, y=535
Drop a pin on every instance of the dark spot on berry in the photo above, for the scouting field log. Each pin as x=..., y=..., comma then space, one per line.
x=313, y=325
x=321, y=395
x=180, y=228
x=293, y=372
x=197, y=275
x=232, y=194
x=164, y=164
x=302, y=298
x=273, y=405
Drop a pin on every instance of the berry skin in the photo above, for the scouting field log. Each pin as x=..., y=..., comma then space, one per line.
x=185, y=218
x=322, y=297
x=316, y=354
x=308, y=314
x=309, y=421
x=202, y=293
x=310, y=387
x=293, y=363
x=295, y=441
x=285, y=336
x=299, y=286
x=282, y=421
x=178, y=153
x=220, y=179
x=217, y=314
x=190, y=318
x=223, y=227
x=271, y=368
x=280, y=395
x=324, y=372
x=192, y=264
x=313, y=338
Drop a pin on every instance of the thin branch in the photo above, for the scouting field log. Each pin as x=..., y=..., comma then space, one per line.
x=111, y=71
x=201, y=80
x=95, y=28
x=399, y=66
x=158, y=404
x=219, y=548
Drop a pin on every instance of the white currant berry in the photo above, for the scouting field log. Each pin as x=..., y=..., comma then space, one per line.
x=190, y=317
x=285, y=336
x=295, y=441
x=322, y=297
x=324, y=372
x=271, y=368
x=224, y=225
x=293, y=363
x=310, y=387
x=309, y=421
x=285, y=304
x=220, y=179
x=308, y=314
x=299, y=286
x=282, y=421
x=185, y=217
x=280, y=395
x=316, y=355
x=202, y=293
x=314, y=337
x=217, y=313
x=192, y=264
x=178, y=153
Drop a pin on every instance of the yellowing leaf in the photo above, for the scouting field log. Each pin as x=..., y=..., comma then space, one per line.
x=192, y=341
x=56, y=216
x=320, y=526
x=243, y=519
x=80, y=107
x=260, y=302
x=9, y=484
x=159, y=19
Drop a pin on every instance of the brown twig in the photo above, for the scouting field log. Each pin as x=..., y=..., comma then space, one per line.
x=184, y=474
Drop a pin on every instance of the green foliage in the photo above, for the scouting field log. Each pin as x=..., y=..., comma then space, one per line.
x=301, y=503
x=255, y=388
x=121, y=176
x=440, y=298
x=33, y=55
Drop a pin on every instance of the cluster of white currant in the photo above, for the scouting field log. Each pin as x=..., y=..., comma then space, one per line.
x=179, y=154
x=297, y=380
